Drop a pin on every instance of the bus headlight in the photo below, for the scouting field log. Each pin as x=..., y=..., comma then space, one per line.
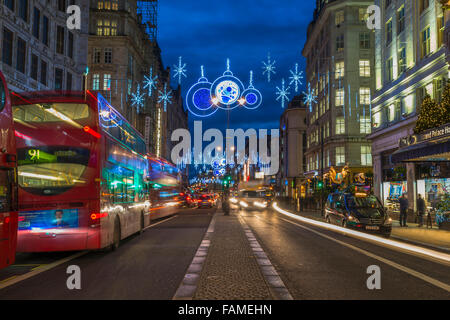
x=260, y=204
x=233, y=200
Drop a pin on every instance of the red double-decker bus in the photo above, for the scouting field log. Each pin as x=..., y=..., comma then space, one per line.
x=81, y=170
x=8, y=180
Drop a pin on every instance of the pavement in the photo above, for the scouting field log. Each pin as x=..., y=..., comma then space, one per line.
x=429, y=237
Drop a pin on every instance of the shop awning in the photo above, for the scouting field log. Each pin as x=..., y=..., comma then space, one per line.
x=434, y=151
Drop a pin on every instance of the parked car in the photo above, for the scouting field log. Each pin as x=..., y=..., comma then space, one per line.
x=358, y=210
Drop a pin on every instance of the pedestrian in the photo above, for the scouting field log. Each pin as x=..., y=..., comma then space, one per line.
x=420, y=209
x=403, y=210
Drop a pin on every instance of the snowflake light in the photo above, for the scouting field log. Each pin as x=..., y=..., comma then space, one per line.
x=310, y=97
x=283, y=93
x=180, y=70
x=150, y=82
x=137, y=99
x=269, y=67
x=165, y=97
x=296, y=77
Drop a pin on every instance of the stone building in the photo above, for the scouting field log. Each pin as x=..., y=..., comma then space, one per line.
x=38, y=51
x=340, y=69
x=410, y=62
x=292, y=147
x=122, y=51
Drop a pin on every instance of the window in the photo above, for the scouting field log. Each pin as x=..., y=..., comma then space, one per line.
x=21, y=55
x=7, y=47
x=108, y=55
x=69, y=81
x=60, y=40
x=108, y=4
x=70, y=45
x=43, y=72
x=340, y=125
x=402, y=60
x=441, y=30
x=23, y=10
x=423, y=5
x=363, y=15
x=106, y=27
x=340, y=95
x=364, y=40
x=364, y=68
x=389, y=32
x=408, y=104
x=340, y=43
x=10, y=4
x=377, y=119
x=45, y=29
x=389, y=70
x=401, y=20
x=129, y=86
x=36, y=22
x=107, y=82
x=58, y=79
x=34, y=67
x=340, y=156
x=62, y=5
x=96, y=82
x=364, y=96
x=425, y=42
x=339, y=17
x=97, y=55
x=340, y=70
x=364, y=125
x=366, y=155
x=391, y=112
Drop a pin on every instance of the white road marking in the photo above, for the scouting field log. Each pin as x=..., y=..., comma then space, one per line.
x=155, y=224
x=412, y=272
x=435, y=256
x=39, y=270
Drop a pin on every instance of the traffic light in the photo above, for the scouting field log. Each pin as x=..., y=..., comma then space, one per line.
x=319, y=184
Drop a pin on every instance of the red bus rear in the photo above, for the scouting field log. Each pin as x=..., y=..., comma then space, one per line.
x=8, y=180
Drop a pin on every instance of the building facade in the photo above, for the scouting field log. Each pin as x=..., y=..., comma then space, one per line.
x=340, y=69
x=123, y=51
x=411, y=62
x=38, y=51
x=292, y=148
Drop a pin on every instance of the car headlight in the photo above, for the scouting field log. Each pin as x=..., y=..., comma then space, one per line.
x=388, y=221
x=353, y=219
x=244, y=204
x=260, y=204
x=233, y=200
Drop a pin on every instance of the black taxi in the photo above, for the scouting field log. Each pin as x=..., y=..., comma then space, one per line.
x=356, y=208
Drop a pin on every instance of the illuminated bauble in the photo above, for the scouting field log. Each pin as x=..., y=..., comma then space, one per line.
x=227, y=92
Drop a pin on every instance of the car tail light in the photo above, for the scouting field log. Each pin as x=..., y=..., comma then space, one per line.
x=7, y=219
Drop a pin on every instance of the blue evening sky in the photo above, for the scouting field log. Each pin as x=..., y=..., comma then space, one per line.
x=207, y=32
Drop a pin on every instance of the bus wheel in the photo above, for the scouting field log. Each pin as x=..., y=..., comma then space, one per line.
x=116, y=236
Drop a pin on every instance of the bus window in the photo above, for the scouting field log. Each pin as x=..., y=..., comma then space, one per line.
x=5, y=194
x=52, y=112
x=2, y=95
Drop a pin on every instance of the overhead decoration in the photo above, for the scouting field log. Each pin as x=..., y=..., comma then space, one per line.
x=137, y=99
x=227, y=92
x=283, y=93
x=296, y=77
x=269, y=67
x=180, y=70
x=150, y=82
x=310, y=97
x=165, y=97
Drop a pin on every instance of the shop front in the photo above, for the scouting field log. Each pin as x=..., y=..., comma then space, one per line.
x=428, y=154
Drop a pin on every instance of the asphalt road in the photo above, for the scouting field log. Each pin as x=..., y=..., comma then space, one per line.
x=316, y=263
x=147, y=266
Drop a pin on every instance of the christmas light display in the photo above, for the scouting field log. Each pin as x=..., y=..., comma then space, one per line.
x=296, y=77
x=180, y=70
x=137, y=99
x=310, y=97
x=269, y=67
x=283, y=93
x=150, y=82
x=165, y=97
